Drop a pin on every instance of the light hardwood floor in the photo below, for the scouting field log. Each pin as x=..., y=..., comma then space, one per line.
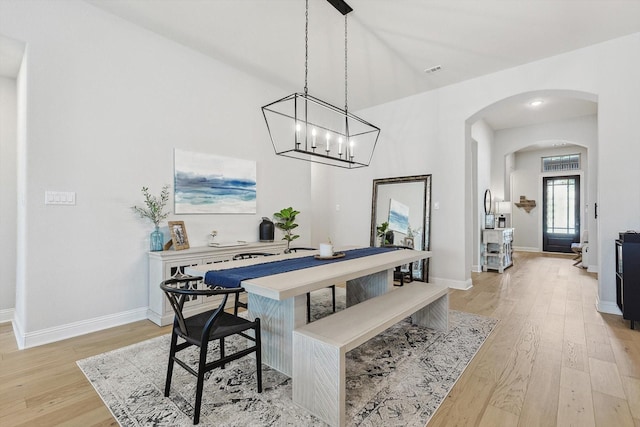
x=553, y=360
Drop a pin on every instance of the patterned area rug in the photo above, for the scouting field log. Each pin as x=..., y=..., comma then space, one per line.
x=399, y=378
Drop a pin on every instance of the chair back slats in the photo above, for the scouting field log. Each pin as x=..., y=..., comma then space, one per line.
x=249, y=255
x=183, y=288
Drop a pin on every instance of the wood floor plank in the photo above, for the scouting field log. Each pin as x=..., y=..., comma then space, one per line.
x=512, y=386
x=465, y=404
x=632, y=392
x=496, y=417
x=540, y=405
x=627, y=355
x=575, y=401
x=605, y=378
x=611, y=411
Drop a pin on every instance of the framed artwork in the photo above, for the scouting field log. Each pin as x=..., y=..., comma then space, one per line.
x=179, y=235
x=208, y=184
x=489, y=221
x=398, y=216
x=408, y=241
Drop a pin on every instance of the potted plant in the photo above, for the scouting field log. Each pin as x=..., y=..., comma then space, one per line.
x=385, y=235
x=154, y=211
x=286, y=221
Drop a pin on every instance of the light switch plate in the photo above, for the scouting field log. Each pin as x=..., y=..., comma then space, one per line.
x=59, y=198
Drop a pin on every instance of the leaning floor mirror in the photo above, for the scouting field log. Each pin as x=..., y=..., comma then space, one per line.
x=401, y=216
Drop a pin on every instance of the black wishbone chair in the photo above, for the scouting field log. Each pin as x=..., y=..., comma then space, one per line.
x=199, y=329
x=245, y=255
x=333, y=287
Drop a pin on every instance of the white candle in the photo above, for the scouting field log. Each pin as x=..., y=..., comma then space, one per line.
x=351, y=144
x=328, y=136
x=340, y=146
x=313, y=136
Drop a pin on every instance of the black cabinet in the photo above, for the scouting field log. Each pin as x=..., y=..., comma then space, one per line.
x=628, y=277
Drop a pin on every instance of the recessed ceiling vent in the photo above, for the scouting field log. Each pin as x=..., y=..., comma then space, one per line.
x=433, y=69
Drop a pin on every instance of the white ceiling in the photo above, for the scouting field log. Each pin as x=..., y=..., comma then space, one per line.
x=391, y=42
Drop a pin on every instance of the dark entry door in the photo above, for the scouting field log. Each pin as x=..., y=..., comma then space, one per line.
x=561, y=214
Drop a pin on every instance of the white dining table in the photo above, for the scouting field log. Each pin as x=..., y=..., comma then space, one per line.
x=279, y=300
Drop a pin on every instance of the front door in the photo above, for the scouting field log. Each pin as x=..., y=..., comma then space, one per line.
x=560, y=213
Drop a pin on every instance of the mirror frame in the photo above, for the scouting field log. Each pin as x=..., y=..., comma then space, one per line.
x=487, y=201
x=426, y=220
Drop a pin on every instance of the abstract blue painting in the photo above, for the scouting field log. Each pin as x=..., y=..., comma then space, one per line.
x=398, y=216
x=209, y=184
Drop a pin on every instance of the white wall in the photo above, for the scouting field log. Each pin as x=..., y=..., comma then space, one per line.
x=8, y=197
x=483, y=137
x=427, y=133
x=106, y=104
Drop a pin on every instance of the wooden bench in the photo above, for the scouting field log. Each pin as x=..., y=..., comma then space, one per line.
x=319, y=348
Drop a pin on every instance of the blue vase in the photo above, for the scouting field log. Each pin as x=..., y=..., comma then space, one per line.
x=156, y=240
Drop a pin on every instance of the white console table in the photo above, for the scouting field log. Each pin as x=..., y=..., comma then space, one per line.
x=164, y=264
x=497, y=251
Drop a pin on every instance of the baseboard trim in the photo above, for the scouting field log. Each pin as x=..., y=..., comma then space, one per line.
x=58, y=333
x=453, y=284
x=525, y=249
x=6, y=315
x=608, y=307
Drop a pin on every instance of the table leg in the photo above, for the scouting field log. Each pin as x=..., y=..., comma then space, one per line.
x=370, y=286
x=278, y=319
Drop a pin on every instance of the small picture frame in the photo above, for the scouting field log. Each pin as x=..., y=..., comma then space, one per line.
x=179, y=235
x=408, y=242
x=489, y=221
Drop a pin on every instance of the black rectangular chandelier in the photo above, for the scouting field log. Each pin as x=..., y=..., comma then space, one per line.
x=304, y=127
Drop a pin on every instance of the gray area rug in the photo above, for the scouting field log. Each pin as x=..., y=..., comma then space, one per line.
x=399, y=378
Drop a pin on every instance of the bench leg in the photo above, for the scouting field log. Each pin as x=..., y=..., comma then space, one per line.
x=435, y=315
x=319, y=383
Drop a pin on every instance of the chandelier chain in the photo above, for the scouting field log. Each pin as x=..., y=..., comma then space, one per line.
x=345, y=63
x=306, y=47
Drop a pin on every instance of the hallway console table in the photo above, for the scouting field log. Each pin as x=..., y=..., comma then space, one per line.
x=497, y=250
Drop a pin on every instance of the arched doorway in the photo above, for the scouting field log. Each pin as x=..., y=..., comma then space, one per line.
x=507, y=134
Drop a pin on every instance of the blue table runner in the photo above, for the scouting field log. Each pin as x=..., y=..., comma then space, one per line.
x=232, y=277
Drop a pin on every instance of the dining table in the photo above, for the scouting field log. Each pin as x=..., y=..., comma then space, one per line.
x=277, y=286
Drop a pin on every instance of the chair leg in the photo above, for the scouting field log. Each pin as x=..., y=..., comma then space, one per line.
x=222, y=350
x=258, y=355
x=172, y=353
x=308, y=307
x=199, y=385
x=333, y=295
